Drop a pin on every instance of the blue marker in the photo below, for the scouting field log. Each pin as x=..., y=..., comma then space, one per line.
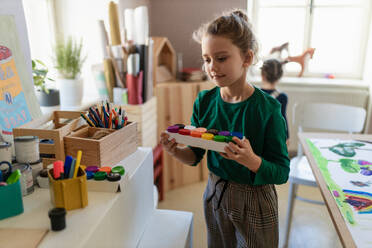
x=72, y=169
x=67, y=166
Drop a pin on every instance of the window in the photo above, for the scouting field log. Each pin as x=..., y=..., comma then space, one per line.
x=337, y=29
x=40, y=29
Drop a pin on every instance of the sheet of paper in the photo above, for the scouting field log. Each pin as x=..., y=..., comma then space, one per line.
x=346, y=166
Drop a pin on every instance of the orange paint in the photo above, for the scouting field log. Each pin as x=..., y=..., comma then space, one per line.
x=196, y=134
x=106, y=169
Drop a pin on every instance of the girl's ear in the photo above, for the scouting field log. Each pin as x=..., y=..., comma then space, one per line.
x=248, y=58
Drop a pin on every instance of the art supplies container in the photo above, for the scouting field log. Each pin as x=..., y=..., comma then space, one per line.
x=106, y=151
x=36, y=168
x=11, y=200
x=51, y=128
x=57, y=219
x=69, y=193
x=43, y=179
x=27, y=149
x=6, y=151
x=26, y=180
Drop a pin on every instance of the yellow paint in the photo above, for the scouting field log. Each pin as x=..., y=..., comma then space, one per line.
x=207, y=136
x=9, y=79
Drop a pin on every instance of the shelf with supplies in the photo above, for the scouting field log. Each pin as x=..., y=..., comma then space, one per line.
x=146, y=117
x=175, y=105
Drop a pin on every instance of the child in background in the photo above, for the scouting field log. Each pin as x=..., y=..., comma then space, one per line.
x=240, y=200
x=271, y=72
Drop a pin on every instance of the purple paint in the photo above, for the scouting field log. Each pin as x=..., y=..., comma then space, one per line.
x=173, y=129
x=336, y=194
x=364, y=162
x=224, y=133
x=92, y=168
x=365, y=171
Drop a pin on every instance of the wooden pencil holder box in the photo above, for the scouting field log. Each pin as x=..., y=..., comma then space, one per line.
x=106, y=151
x=146, y=117
x=69, y=193
x=52, y=127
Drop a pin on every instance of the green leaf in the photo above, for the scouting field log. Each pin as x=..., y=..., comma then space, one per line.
x=349, y=165
x=352, y=144
x=343, y=151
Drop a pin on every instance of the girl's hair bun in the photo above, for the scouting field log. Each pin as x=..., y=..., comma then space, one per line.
x=241, y=14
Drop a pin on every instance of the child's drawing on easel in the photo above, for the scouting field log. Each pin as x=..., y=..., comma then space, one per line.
x=347, y=169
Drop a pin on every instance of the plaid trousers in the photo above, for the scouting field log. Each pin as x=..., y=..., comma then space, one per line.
x=240, y=215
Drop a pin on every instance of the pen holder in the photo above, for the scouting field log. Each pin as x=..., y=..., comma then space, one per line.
x=11, y=203
x=69, y=193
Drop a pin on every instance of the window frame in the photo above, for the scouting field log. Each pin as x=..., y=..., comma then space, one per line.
x=357, y=74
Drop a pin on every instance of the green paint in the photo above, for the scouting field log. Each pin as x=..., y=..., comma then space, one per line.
x=349, y=217
x=343, y=151
x=322, y=163
x=349, y=165
x=353, y=144
x=346, y=149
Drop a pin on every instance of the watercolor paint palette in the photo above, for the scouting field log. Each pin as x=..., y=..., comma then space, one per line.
x=201, y=137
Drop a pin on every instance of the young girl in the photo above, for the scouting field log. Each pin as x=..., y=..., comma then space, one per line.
x=240, y=200
x=271, y=72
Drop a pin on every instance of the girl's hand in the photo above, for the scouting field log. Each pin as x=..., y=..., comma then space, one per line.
x=169, y=145
x=242, y=153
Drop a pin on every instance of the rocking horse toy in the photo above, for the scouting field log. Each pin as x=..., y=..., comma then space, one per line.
x=300, y=59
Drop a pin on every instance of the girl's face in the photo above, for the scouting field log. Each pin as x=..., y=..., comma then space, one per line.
x=223, y=61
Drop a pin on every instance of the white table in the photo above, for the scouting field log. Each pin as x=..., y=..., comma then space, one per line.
x=125, y=219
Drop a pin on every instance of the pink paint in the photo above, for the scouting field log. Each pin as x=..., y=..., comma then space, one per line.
x=336, y=194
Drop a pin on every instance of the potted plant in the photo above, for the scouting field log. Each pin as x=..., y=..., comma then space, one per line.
x=46, y=96
x=68, y=61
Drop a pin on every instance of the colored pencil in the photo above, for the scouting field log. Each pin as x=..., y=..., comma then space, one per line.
x=110, y=120
x=90, y=123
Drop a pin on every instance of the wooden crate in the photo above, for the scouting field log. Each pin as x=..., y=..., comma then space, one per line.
x=107, y=151
x=175, y=105
x=53, y=126
x=145, y=116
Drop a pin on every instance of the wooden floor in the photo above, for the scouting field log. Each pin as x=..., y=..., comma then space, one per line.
x=311, y=226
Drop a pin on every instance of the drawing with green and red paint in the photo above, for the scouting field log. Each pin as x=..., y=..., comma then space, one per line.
x=346, y=167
